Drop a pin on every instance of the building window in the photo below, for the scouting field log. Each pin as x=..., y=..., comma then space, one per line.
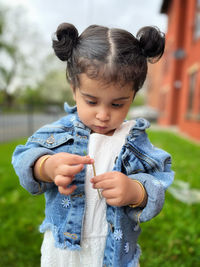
x=191, y=92
x=197, y=20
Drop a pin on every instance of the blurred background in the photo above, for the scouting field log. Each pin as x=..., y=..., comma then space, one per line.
x=32, y=80
x=33, y=88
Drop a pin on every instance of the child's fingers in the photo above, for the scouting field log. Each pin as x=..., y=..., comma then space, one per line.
x=103, y=177
x=67, y=174
x=109, y=194
x=71, y=170
x=67, y=191
x=113, y=198
x=103, y=184
x=73, y=159
x=63, y=181
x=98, y=178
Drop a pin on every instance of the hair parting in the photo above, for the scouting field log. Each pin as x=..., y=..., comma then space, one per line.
x=111, y=55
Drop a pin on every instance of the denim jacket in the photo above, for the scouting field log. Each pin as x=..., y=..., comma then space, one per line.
x=138, y=159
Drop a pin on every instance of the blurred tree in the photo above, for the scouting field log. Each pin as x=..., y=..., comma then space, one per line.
x=10, y=50
x=27, y=96
x=29, y=72
x=55, y=89
x=18, y=42
x=51, y=88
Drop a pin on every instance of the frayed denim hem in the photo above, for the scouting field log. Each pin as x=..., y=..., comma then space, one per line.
x=135, y=261
x=48, y=226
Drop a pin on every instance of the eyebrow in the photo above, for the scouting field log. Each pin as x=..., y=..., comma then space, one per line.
x=87, y=95
x=115, y=99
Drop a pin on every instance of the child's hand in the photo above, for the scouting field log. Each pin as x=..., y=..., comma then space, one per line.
x=117, y=188
x=61, y=169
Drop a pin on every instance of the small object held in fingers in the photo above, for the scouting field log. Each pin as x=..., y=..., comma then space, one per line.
x=94, y=172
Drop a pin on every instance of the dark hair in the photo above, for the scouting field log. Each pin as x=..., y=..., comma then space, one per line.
x=112, y=55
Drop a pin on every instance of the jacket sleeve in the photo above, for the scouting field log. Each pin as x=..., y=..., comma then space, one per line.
x=149, y=165
x=155, y=188
x=47, y=140
x=23, y=160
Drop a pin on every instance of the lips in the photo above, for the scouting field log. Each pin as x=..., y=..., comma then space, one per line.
x=100, y=128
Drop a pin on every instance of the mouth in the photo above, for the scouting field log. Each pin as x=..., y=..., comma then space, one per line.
x=103, y=130
x=100, y=128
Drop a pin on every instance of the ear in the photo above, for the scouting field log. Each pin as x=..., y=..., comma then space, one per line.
x=73, y=91
x=74, y=95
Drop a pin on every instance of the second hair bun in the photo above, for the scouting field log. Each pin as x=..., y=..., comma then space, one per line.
x=152, y=43
x=67, y=38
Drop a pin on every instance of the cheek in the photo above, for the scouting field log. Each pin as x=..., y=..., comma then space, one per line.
x=123, y=113
x=84, y=114
x=119, y=117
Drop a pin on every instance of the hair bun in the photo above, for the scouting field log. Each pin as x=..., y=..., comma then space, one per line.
x=67, y=38
x=152, y=43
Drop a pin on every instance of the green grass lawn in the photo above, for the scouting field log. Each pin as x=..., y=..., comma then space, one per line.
x=171, y=239
x=20, y=216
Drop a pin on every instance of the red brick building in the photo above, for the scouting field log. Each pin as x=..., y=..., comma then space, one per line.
x=174, y=82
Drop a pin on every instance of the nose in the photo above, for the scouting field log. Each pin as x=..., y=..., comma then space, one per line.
x=103, y=114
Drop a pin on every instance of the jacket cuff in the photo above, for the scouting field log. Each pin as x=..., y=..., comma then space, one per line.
x=156, y=197
x=27, y=160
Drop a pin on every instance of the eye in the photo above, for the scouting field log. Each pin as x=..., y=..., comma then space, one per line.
x=92, y=103
x=117, y=105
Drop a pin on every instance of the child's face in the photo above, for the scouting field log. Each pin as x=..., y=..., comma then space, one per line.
x=102, y=107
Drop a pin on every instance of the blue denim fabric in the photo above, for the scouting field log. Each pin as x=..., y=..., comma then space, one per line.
x=138, y=159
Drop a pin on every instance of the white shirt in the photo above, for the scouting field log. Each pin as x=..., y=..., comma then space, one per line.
x=104, y=150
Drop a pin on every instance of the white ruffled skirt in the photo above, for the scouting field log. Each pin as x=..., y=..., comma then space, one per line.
x=91, y=254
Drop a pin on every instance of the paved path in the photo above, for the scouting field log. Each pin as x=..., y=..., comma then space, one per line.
x=22, y=125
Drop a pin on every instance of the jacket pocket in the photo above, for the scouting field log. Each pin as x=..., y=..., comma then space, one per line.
x=51, y=137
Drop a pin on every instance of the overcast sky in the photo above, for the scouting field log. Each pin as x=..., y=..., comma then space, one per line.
x=44, y=16
x=131, y=15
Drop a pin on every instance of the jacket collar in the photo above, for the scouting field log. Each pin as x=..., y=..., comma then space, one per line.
x=77, y=122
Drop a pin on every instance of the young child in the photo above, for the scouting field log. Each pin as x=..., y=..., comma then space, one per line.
x=95, y=202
